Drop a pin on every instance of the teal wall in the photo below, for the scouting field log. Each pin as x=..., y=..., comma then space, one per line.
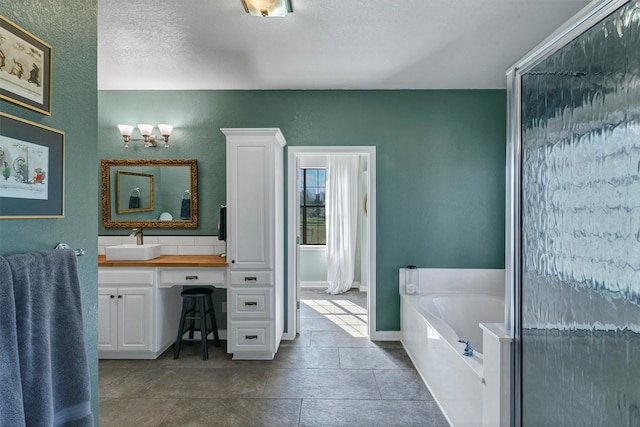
x=70, y=27
x=440, y=162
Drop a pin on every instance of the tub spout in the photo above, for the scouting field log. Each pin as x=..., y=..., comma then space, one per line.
x=468, y=350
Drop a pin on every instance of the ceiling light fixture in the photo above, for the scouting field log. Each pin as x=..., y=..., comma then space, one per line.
x=146, y=132
x=267, y=8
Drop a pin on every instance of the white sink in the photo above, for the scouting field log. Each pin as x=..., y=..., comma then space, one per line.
x=132, y=252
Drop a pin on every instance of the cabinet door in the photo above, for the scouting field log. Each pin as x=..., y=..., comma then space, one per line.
x=249, y=205
x=251, y=303
x=135, y=318
x=107, y=318
x=252, y=336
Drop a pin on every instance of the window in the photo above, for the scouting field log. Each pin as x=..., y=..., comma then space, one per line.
x=312, y=219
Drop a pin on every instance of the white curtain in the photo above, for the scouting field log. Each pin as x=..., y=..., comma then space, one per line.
x=341, y=208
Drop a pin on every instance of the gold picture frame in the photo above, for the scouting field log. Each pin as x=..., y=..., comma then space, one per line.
x=25, y=68
x=32, y=169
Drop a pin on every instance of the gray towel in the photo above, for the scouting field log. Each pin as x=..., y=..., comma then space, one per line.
x=54, y=372
x=185, y=209
x=134, y=202
x=11, y=407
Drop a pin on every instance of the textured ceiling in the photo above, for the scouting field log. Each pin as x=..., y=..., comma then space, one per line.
x=323, y=44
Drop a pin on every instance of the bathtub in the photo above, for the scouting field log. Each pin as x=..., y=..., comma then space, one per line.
x=451, y=306
x=458, y=315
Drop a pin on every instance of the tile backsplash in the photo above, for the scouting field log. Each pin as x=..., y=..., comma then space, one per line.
x=171, y=245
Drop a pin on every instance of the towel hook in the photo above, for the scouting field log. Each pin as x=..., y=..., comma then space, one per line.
x=78, y=252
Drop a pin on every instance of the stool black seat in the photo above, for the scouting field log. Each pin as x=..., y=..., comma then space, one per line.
x=197, y=304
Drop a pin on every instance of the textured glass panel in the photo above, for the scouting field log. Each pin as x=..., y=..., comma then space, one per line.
x=581, y=230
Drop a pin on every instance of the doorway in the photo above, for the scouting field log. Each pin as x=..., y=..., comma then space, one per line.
x=296, y=156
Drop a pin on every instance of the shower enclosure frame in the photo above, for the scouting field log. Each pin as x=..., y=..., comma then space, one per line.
x=590, y=15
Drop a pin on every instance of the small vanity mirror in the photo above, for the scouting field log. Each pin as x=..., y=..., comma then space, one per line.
x=149, y=193
x=134, y=192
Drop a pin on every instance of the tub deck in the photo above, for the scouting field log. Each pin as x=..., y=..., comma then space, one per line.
x=471, y=391
x=455, y=383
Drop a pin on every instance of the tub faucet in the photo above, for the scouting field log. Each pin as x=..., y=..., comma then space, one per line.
x=139, y=236
x=468, y=350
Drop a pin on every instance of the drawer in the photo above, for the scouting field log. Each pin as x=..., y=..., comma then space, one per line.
x=252, y=336
x=251, y=303
x=125, y=276
x=251, y=278
x=191, y=277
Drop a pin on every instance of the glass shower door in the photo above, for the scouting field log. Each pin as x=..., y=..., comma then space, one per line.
x=579, y=313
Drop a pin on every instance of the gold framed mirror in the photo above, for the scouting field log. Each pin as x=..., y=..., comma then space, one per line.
x=134, y=192
x=149, y=193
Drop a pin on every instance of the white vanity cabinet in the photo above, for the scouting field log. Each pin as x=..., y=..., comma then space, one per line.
x=136, y=320
x=255, y=242
x=125, y=318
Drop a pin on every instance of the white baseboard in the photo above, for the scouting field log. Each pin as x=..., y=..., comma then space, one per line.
x=385, y=336
x=289, y=336
x=314, y=285
x=325, y=285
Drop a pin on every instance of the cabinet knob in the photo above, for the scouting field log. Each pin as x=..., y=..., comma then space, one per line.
x=233, y=261
x=251, y=337
x=113, y=296
x=250, y=278
x=119, y=296
x=190, y=277
x=251, y=303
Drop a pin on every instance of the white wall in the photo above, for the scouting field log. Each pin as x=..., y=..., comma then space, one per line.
x=313, y=266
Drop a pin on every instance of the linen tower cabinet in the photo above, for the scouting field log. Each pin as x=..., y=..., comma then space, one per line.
x=255, y=242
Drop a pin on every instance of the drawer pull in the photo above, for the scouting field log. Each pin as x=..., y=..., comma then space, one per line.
x=250, y=278
x=251, y=303
x=250, y=337
x=190, y=277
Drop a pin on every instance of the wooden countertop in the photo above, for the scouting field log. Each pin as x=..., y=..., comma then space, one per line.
x=168, y=261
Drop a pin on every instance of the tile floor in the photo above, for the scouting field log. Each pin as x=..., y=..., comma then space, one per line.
x=331, y=375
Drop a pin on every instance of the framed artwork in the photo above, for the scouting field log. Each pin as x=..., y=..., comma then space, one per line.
x=25, y=68
x=31, y=169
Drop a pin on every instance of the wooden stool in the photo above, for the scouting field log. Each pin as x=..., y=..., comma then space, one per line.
x=194, y=307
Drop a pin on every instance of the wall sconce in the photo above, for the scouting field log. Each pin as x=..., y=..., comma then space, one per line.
x=146, y=132
x=267, y=8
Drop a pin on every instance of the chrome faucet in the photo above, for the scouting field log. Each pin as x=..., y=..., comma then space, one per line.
x=139, y=237
x=468, y=350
